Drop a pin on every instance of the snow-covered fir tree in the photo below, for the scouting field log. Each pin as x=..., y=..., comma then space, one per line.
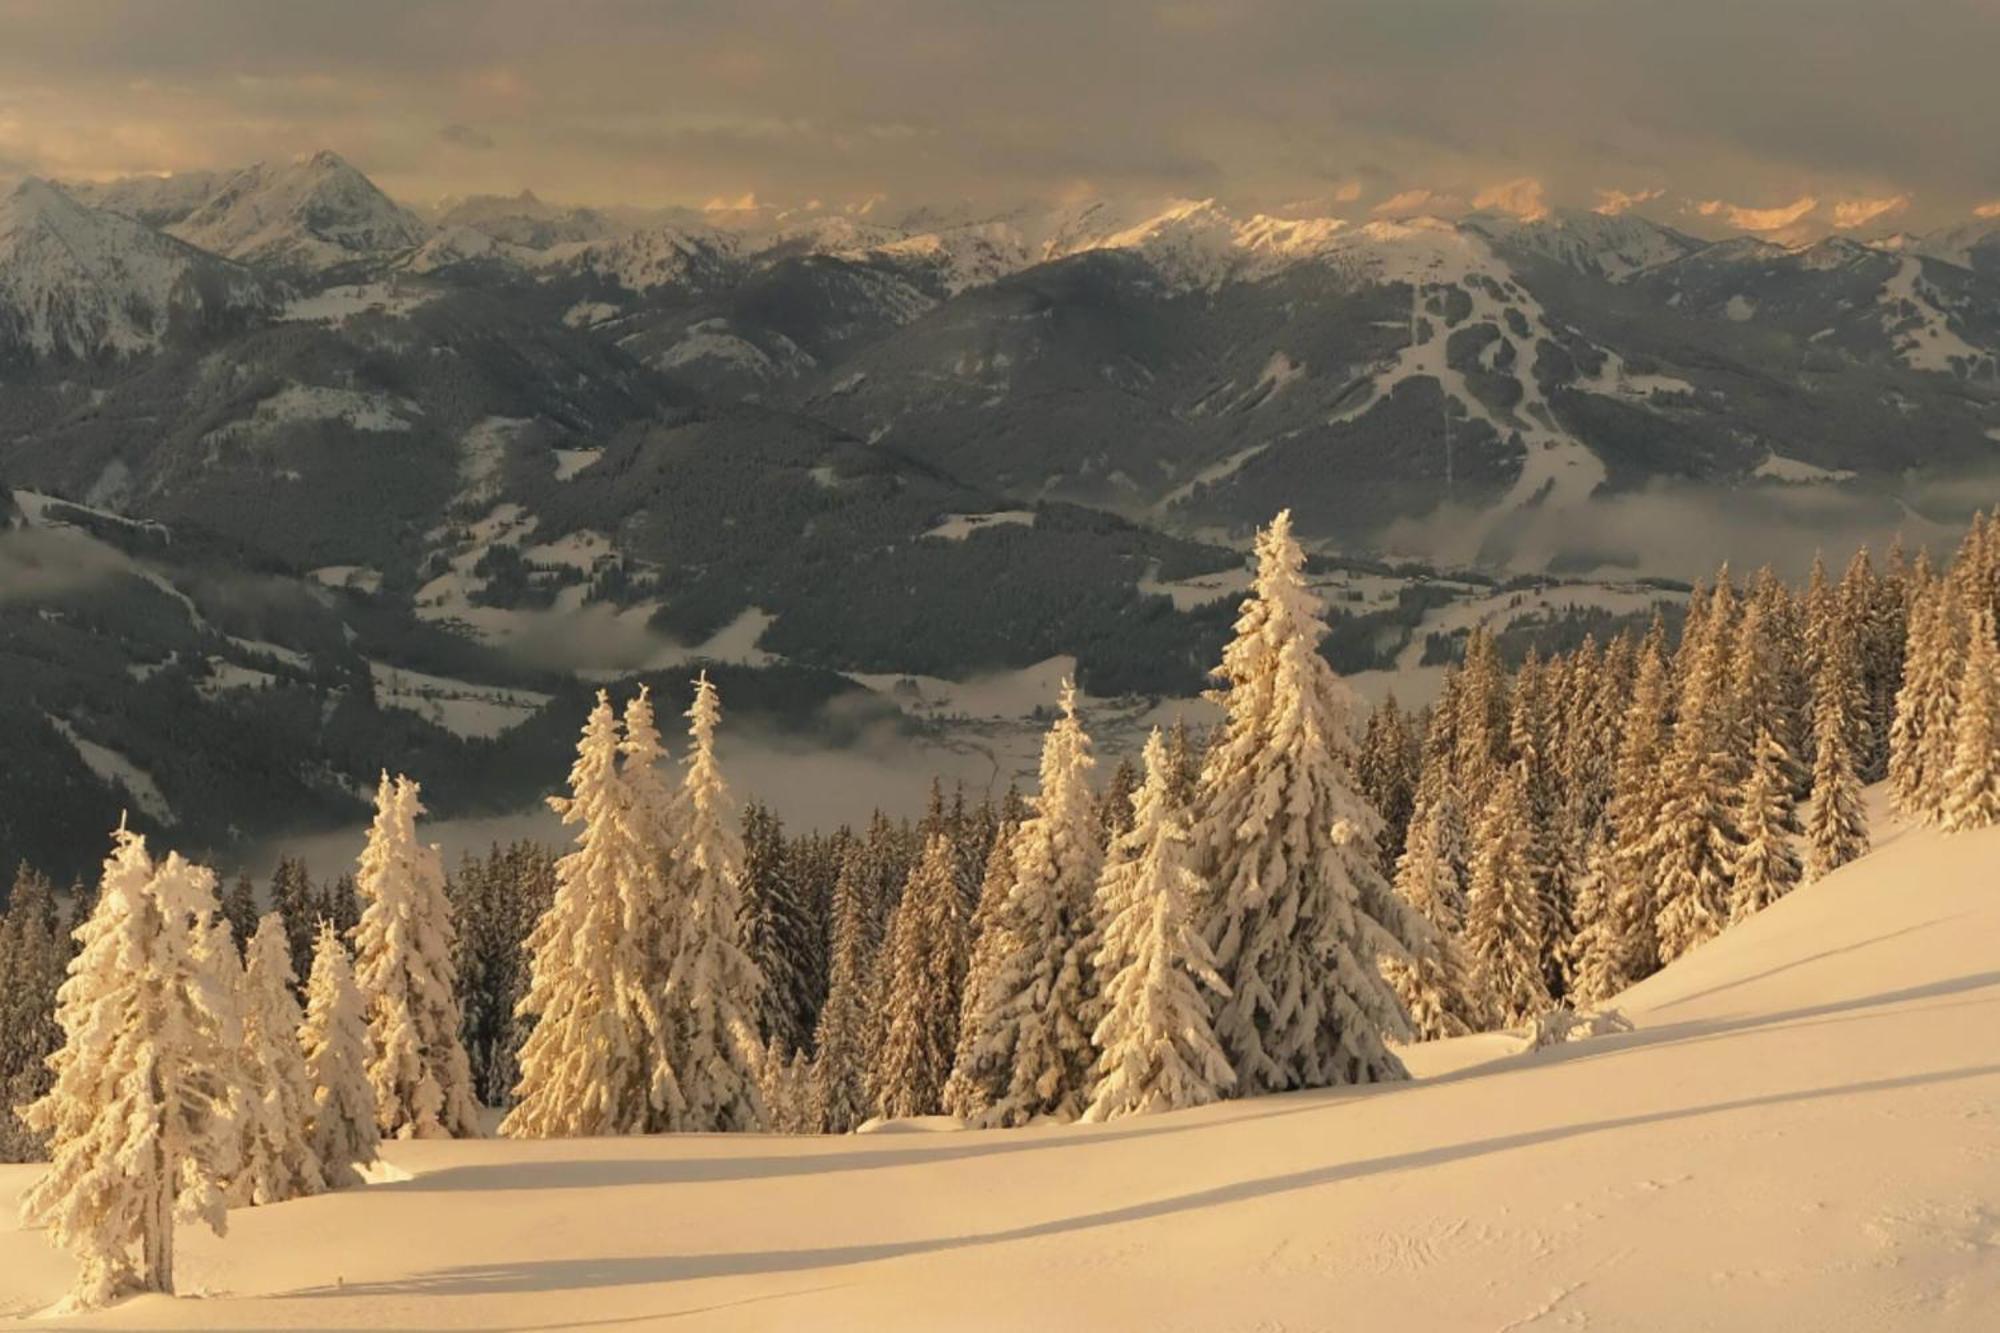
x=1601, y=963
x=841, y=1041
x=293, y=899
x=778, y=931
x=1695, y=837
x=1631, y=951
x=239, y=906
x=1922, y=738
x=1481, y=721
x=925, y=968
x=975, y=1082
x=1972, y=783
x=1036, y=1011
x=787, y=1091
x=1504, y=918
x=278, y=1158
x=1835, y=823
x=334, y=1041
x=1766, y=867
x=1158, y=1050
x=1387, y=771
x=137, y=1119
x=403, y=964
x=598, y=1060
x=1300, y=914
x=1434, y=982
x=34, y=953
x=713, y=990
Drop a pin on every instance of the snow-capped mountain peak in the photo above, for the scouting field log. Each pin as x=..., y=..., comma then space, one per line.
x=80, y=282
x=306, y=216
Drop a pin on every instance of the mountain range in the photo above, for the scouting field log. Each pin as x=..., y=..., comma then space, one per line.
x=308, y=435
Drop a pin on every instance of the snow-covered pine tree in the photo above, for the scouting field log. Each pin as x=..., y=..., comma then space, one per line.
x=841, y=1042
x=1695, y=839
x=1433, y=982
x=975, y=1082
x=1504, y=917
x=1114, y=803
x=1037, y=1008
x=1922, y=742
x=1159, y=1052
x=137, y=1118
x=1300, y=915
x=34, y=952
x=292, y=898
x=1625, y=946
x=1387, y=771
x=239, y=907
x=1972, y=783
x=713, y=990
x=786, y=1090
x=403, y=947
x=1600, y=965
x=1858, y=599
x=1480, y=724
x=278, y=1161
x=1836, y=826
x=1184, y=756
x=925, y=967
x=1765, y=868
x=1551, y=858
x=598, y=1060
x=334, y=1040
x=777, y=931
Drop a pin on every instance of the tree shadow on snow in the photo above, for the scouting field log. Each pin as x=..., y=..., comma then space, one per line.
x=582, y=1274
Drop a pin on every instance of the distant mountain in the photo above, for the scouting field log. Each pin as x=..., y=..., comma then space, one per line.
x=302, y=217
x=157, y=201
x=78, y=283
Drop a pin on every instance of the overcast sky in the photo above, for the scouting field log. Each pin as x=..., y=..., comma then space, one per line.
x=1719, y=114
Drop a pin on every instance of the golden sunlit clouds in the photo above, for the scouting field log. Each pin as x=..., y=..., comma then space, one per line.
x=1523, y=197
x=1758, y=219
x=1988, y=210
x=1409, y=203
x=1851, y=213
x=1610, y=203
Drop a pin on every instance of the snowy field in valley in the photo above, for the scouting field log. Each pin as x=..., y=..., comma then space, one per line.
x=1803, y=1132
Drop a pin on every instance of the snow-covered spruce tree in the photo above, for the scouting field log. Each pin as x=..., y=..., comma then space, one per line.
x=1836, y=825
x=1600, y=961
x=975, y=1083
x=1927, y=703
x=1036, y=1012
x=1696, y=837
x=713, y=990
x=402, y=948
x=1972, y=783
x=1387, y=771
x=278, y=1160
x=239, y=907
x=1551, y=856
x=787, y=1091
x=1766, y=868
x=137, y=1118
x=925, y=967
x=1434, y=983
x=1634, y=811
x=1504, y=919
x=1480, y=725
x=1757, y=698
x=292, y=898
x=334, y=1041
x=1159, y=1052
x=1114, y=803
x=841, y=1042
x=778, y=931
x=34, y=952
x=597, y=1061
x=1300, y=916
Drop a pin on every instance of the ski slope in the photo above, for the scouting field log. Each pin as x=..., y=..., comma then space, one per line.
x=1802, y=1133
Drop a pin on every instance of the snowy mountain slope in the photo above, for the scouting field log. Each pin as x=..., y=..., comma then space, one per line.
x=304, y=216
x=1799, y=1134
x=76, y=282
x=157, y=201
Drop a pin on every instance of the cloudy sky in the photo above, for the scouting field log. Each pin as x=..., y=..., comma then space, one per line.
x=1756, y=115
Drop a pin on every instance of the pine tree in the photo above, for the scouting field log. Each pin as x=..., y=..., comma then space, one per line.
x=1300, y=913
x=1923, y=738
x=926, y=974
x=293, y=899
x=240, y=907
x=1836, y=827
x=403, y=947
x=334, y=1041
x=278, y=1160
x=1036, y=1009
x=713, y=990
x=1695, y=839
x=1601, y=956
x=1972, y=783
x=1433, y=983
x=1634, y=812
x=598, y=1060
x=137, y=1117
x=777, y=931
x=841, y=1042
x=1159, y=1052
x=975, y=1082
x=1387, y=771
x=1765, y=868
x=34, y=954
x=787, y=1091
x=1503, y=917
x=1480, y=724
x=1114, y=803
